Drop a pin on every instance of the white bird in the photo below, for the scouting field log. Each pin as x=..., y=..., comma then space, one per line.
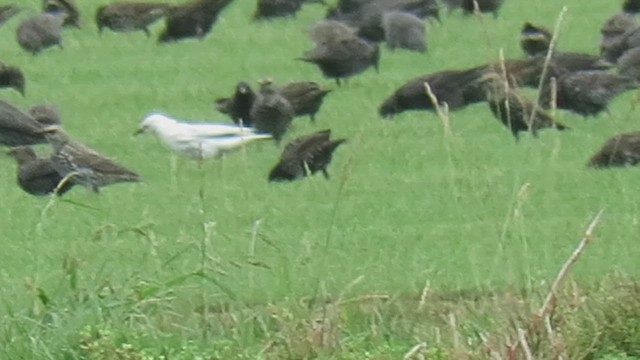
x=198, y=140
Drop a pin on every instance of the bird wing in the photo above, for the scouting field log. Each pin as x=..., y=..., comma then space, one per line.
x=200, y=130
x=14, y=119
x=301, y=149
x=84, y=156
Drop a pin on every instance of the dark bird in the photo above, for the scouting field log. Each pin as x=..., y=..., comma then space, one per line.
x=45, y=114
x=587, y=92
x=271, y=113
x=629, y=64
x=37, y=176
x=484, y=6
x=68, y=7
x=368, y=18
x=269, y=9
x=571, y=62
x=620, y=33
x=305, y=156
x=83, y=165
x=18, y=128
x=191, y=20
x=330, y=30
x=631, y=6
x=515, y=111
x=238, y=106
x=7, y=12
x=305, y=97
x=534, y=40
x=40, y=32
x=12, y=77
x=405, y=31
x=343, y=57
x=457, y=88
x=619, y=151
x=124, y=16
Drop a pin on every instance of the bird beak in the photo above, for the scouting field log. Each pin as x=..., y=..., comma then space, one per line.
x=49, y=129
x=138, y=132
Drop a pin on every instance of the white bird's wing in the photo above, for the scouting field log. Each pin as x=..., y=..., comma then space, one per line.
x=200, y=130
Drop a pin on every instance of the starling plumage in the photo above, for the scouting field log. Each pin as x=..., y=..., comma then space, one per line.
x=404, y=31
x=515, y=111
x=629, y=64
x=40, y=32
x=68, y=7
x=330, y=30
x=12, y=77
x=238, y=106
x=305, y=156
x=485, y=6
x=191, y=20
x=305, y=97
x=271, y=113
x=125, y=16
x=18, y=128
x=343, y=57
x=587, y=92
x=269, y=9
x=631, y=6
x=45, y=114
x=619, y=151
x=368, y=18
x=534, y=40
x=85, y=166
x=37, y=176
x=7, y=12
x=620, y=33
x=457, y=88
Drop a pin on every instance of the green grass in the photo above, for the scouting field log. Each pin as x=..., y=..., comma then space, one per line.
x=405, y=204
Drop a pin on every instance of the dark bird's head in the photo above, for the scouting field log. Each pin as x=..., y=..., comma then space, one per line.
x=279, y=174
x=389, y=108
x=243, y=88
x=22, y=154
x=45, y=114
x=267, y=86
x=13, y=77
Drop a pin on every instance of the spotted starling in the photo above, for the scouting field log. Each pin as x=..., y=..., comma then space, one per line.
x=343, y=58
x=631, y=6
x=457, y=88
x=85, y=166
x=629, y=64
x=124, y=16
x=68, y=7
x=191, y=20
x=514, y=110
x=37, y=176
x=40, y=32
x=620, y=150
x=305, y=156
x=587, y=92
x=404, y=31
x=271, y=113
x=305, y=97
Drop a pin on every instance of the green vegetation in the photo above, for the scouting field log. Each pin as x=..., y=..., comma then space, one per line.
x=216, y=263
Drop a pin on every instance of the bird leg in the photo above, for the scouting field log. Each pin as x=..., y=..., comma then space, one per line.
x=338, y=82
x=326, y=174
x=146, y=31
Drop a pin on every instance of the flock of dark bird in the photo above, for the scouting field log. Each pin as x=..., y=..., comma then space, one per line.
x=346, y=43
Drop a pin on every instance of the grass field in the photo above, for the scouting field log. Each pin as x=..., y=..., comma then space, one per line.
x=144, y=264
